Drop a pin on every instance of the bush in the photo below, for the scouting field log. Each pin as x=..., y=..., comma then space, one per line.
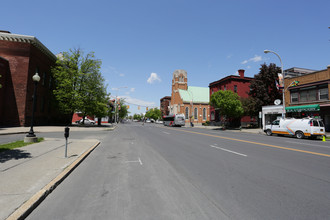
x=207, y=123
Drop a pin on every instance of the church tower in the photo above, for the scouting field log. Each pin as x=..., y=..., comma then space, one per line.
x=179, y=81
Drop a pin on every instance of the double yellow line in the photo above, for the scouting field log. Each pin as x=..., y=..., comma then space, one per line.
x=252, y=142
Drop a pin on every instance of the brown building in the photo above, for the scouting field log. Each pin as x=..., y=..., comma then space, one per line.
x=239, y=84
x=191, y=101
x=308, y=95
x=165, y=102
x=20, y=58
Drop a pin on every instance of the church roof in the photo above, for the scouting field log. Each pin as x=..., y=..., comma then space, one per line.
x=196, y=94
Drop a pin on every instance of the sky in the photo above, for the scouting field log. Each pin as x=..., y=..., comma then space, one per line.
x=141, y=43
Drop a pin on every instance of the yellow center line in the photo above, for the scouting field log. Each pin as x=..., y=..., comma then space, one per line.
x=252, y=142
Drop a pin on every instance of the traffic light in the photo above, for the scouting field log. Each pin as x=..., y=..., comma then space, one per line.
x=147, y=108
x=127, y=106
x=138, y=107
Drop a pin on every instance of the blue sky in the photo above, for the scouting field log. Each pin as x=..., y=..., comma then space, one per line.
x=141, y=43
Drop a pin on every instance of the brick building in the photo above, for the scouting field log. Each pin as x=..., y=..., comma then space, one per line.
x=165, y=102
x=20, y=58
x=238, y=84
x=310, y=96
x=191, y=101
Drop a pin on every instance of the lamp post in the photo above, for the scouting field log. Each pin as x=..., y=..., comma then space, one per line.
x=192, y=107
x=117, y=113
x=269, y=51
x=31, y=137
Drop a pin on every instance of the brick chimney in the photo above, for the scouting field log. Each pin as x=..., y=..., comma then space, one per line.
x=241, y=73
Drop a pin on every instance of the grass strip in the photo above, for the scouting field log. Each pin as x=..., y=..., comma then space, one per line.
x=16, y=144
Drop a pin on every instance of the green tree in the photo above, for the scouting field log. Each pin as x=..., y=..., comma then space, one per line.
x=263, y=88
x=154, y=114
x=123, y=111
x=79, y=85
x=137, y=117
x=228, y=104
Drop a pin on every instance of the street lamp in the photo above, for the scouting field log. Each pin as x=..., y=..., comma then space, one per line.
x=269, y=51
x=117, y=113
x=192, y=106
x=31, y=137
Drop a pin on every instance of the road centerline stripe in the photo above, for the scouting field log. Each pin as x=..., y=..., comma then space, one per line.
x=253, y=142
x=220, y=148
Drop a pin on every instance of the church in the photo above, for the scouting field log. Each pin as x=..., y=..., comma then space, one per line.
x=191, y=101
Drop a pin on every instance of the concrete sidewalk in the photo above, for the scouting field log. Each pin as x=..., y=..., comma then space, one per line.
x=30, y=173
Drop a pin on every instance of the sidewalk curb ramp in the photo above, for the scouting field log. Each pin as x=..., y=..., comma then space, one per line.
x=26, y=208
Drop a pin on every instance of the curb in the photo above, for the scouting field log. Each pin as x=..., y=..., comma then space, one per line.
x=26, y=208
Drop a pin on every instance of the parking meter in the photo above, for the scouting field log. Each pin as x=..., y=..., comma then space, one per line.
x=66, y=135
x=66, y=132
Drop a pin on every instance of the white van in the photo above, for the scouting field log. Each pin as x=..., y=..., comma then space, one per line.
x=309, y=127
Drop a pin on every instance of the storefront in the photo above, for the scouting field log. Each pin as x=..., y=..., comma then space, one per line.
x=302, y=111
x=271, y=113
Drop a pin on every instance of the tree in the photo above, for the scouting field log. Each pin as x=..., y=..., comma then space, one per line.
x=228, y=104
x=137, y=117
x=79, y=85
x=263, y=88
x=154, y=114
x=123, y=111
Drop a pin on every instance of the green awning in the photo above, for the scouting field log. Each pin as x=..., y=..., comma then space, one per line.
x=303, y=108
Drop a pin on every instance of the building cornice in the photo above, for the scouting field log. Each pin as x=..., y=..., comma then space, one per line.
x=28, y=39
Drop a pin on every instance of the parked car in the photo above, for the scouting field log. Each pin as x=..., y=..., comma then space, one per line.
x=305, y=127
x=87, y=121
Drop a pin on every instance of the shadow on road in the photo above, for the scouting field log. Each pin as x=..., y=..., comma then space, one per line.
x=14, y=154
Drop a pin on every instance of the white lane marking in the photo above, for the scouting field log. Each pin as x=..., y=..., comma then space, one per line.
x=307, y=144
x=228, y=151
x=166, y=132
x=135, y=161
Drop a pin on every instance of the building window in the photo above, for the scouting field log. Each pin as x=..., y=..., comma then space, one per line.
x=43, y=79
x=310, y=94
x=294, y=97
x=195, y=113
x=204, y=114
x=235, y=88
x=187, y=113
x=212, y=116
x=224, y=88
x=50, y=82
x=324, y=94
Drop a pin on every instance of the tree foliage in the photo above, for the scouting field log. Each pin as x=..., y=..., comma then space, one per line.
x=228, y=103
x=79, y=85
x=154, y=114
x=263, y=88
x=137, y=117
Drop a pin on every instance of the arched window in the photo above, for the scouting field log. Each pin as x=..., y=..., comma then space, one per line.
x=187, y=113
x=212, y=116
x=195, y=113
x=204, y=114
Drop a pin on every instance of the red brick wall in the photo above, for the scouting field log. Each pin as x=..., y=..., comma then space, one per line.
x=23, y=60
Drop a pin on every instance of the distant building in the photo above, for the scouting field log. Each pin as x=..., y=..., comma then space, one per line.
x=21, y=57
x=165, y=103
x=238, y=84
x=309, y=96
x=191, y=101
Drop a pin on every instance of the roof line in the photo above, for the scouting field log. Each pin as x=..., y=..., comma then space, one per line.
x=27, y=39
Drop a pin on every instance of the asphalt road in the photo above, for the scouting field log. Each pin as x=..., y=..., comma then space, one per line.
x=156, y=172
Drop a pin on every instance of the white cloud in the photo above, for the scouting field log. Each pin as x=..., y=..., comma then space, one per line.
x=132, y=89
x=153, y=78
x=121, y=74
x=255, y=59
